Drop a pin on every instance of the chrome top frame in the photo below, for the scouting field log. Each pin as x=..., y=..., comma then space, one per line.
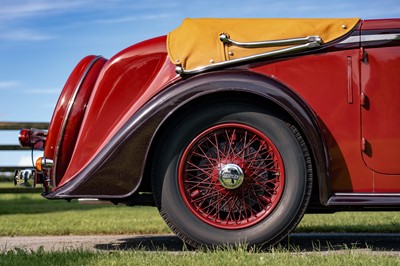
x=303, y=43
x=302, y=40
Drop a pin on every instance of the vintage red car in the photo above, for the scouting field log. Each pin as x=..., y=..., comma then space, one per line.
x=233, y=128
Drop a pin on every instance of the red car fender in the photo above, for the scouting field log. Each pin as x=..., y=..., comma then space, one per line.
x=135, y=139
x=125, y=83
x=69, y=112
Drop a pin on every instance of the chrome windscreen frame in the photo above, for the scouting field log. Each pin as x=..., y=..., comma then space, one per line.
x=302, y=43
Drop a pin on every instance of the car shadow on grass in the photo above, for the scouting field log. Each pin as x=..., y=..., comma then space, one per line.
x=147, y=243
x=296, y=242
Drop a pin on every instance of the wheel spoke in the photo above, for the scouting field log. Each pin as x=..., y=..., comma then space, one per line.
x=210, y=160
x=198, y=168
x=217, y=206
x=213, y=201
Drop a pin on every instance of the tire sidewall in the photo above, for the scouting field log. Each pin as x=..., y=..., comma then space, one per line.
x=270, y=230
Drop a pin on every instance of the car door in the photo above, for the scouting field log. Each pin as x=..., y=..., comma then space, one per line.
x=380, y=95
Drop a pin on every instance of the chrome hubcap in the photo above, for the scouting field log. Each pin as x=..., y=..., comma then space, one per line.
x=231, y=176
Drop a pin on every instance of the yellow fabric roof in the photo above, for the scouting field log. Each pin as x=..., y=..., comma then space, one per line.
x=196, y=42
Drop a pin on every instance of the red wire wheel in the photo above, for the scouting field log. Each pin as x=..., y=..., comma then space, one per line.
x=231, y=173
x=231, y=176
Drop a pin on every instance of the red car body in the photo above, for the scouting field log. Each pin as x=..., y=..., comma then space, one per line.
x=343, y=98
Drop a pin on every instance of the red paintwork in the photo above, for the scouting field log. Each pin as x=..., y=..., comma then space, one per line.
x=76, y=114
x=322, y=81
x=203, y=193
x=380, y=124
x=62, y=105
x=127, y=81
x=381, y=24
x=386, y=183
x=75, y=119
x=330, y=83
x=380, y=117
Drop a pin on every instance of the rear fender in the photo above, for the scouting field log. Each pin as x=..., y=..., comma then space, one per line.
x=126, y=81
x=125, y=156
x=68, y=114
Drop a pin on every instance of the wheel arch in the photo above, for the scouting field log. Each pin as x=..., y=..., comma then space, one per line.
x=254, y=89
x=138, y=138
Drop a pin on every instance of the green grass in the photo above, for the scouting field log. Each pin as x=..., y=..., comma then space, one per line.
x=238, y=256
x=357, y=222
x=6, y=185
x=9, y=187
x=30, y=214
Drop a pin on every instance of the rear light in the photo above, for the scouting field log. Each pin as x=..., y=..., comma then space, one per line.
x=43, y=163
x=24, y=138
x=32, y=138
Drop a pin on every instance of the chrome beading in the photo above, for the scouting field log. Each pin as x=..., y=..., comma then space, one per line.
x=301, y=43
x=247, y=59
x=270, y=43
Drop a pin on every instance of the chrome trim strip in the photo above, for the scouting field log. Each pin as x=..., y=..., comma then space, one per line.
x=93, y=201
x=181, y=71
x=351, y=39
x=380, y=37
x=66, y=117
x=368, y=194
x=372, y=38
x=364, y=199
x=301, y=40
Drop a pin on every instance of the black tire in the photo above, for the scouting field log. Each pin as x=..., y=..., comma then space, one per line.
x=191, y=222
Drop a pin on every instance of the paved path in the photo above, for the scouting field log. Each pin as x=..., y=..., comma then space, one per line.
x=302, y=242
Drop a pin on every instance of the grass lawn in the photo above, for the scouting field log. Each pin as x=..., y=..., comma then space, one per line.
x=30, y=214
x=237, y=256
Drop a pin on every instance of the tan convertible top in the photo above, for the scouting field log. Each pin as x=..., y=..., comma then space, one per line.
x=197, y=42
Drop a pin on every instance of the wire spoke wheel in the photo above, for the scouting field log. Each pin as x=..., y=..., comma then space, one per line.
x=231, y=176
x=231, y=173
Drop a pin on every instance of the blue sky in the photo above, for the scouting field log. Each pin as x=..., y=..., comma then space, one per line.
x=42, y=40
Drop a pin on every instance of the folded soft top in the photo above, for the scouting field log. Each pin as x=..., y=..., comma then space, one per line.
x=197, y=42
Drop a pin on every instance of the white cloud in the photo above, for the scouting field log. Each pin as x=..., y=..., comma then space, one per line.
x=8, y=84
x=23, y=9
x=22, y=20
x=20, y=12
x=24, y=35
x=135, y=18
x=43, y=91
